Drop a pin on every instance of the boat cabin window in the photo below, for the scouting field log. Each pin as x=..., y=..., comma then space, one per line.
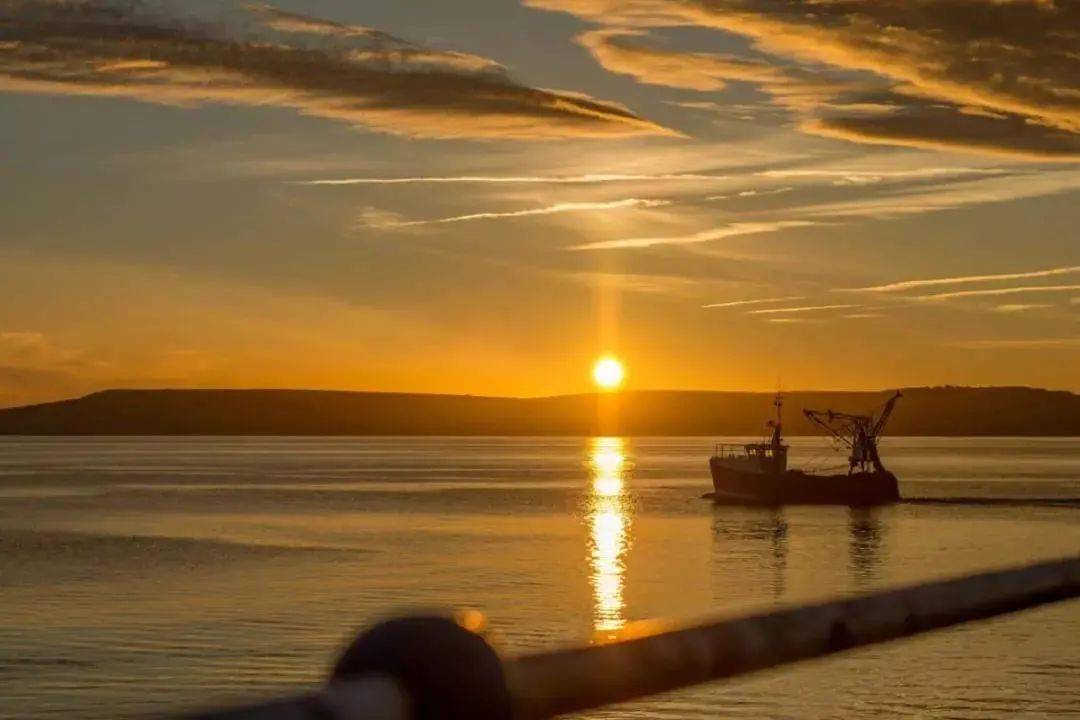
x=758, y=450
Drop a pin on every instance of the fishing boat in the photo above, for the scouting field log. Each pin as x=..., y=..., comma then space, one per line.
x=757, y=473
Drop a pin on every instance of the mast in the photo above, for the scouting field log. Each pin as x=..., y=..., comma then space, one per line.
x=777, y=448
x=777, y=441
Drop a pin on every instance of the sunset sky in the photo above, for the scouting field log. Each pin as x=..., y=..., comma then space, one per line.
x=483, y=196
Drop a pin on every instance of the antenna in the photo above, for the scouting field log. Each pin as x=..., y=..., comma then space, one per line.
x=778, y=401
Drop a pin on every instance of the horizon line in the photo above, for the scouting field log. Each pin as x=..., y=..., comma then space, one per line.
x=596, y=393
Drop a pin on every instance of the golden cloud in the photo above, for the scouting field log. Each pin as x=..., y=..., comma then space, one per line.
x=616, y=51
x=350, y=74
x=1010, y=65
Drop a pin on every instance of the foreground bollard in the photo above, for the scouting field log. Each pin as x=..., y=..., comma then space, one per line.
x=430, y=668
x=446, y=670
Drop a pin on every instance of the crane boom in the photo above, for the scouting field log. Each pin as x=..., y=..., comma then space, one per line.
x=886, y=412
x=859, y=433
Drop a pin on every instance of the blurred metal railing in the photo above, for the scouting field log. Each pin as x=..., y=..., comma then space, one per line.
x=423, y=668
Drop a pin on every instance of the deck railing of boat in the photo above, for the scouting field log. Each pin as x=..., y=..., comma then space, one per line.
x=727, y=450
x=435, y=667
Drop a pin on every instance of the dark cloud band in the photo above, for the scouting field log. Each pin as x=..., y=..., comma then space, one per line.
x=998, y=76
x=345, y=73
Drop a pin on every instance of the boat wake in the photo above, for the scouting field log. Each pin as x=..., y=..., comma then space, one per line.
x=1010, y=501
x=1068, y=502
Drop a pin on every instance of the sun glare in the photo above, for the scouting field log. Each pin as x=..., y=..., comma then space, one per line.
x=608, y=373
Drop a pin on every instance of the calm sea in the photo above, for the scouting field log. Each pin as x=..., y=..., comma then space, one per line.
x=145, y=576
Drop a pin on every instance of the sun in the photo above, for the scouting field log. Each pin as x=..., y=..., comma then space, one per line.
x=608, y=373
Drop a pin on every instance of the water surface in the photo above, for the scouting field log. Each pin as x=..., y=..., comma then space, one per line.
x=148, y=575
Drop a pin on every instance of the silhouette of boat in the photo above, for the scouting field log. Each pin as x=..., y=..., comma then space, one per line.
x=757, y=473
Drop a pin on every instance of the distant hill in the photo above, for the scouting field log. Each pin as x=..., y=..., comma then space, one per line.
x=922, y=411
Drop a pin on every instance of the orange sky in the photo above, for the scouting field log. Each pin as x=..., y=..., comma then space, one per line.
x=722, y=194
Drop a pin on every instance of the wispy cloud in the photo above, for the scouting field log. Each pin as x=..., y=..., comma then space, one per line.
x=752, y=193
x=999, y=291
x=557, y=208
x=284, y=21
x=645, y=283
x=1029, y=344
x=377, y=217
x=937, y=198
x=872, y=177
x=589, y=179
x=1021, y=307
x=384, y=47
x=733, y=111
x=802, y=309
x=794, y=320
x=760, y=301
x=348, y=74
x=34, y=351
x=959, y=280
x=616, y=51
x=733, y=230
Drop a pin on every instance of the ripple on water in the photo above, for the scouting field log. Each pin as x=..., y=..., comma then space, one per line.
x=140, y=577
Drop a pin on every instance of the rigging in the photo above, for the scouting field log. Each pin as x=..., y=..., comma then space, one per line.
x=858, y=433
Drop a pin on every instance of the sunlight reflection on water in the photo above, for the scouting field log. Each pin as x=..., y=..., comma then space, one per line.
x=609, y=522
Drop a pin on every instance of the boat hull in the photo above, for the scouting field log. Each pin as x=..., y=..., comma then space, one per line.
x=794, y=487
